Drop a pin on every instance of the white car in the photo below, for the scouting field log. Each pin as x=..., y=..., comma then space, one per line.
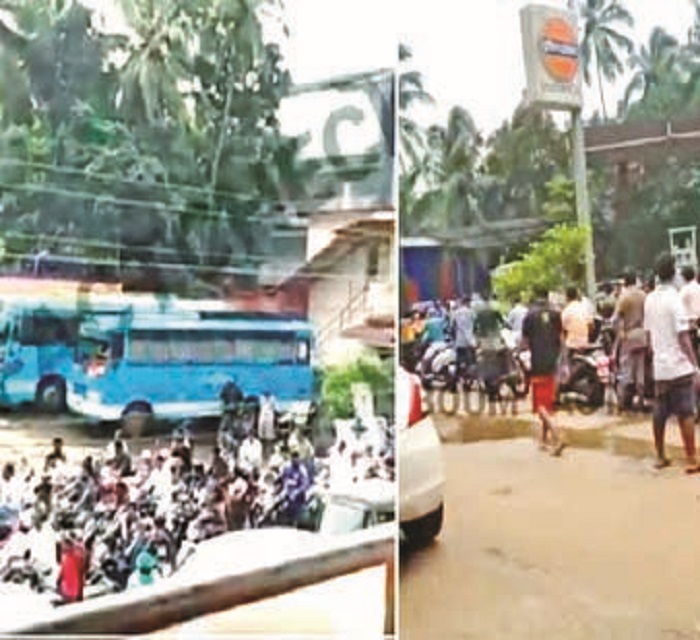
x=421, y=468
x=359, y=506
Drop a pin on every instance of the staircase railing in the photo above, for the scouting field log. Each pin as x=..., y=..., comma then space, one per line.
x=348, y=314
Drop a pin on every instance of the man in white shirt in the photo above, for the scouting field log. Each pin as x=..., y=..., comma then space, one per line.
x=250, y=454
x=266, y=424
x=690, y=293
x=11, y=488
x=515, y=318
x=675, y=365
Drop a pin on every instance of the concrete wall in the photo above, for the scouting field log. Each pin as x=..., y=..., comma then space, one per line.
x=330, y=296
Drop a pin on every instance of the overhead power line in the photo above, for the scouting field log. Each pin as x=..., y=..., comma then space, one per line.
x=195, y=268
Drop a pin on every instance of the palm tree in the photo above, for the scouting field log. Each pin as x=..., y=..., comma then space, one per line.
x=411, y=92
x=156, y=60
x=449, y=174
x=654, y=63
x=603, y=43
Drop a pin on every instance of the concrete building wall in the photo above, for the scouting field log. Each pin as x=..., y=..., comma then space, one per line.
x=348, y=296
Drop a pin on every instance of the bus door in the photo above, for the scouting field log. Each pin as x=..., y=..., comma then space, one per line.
x=50, y=338
x=15, y=388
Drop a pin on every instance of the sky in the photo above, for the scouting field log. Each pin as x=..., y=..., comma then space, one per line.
x=327, y=38
x=470, y=53
x=331, y=37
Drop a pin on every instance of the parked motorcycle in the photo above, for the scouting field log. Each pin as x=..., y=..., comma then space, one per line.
x=584, y=379
x=438, y=369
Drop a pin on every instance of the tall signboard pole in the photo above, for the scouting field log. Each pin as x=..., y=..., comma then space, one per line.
x=583, y=210
x=551, y=53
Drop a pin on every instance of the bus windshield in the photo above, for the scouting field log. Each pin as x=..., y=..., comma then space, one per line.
x=215, y=346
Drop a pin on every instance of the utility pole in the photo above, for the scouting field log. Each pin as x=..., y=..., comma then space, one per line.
x=583, y=208
x=551, y=48
x=583, y=205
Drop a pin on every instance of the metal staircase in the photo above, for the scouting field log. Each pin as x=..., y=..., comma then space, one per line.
x=353, y=312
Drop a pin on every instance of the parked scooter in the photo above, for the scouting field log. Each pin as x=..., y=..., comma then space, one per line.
x=584, y=378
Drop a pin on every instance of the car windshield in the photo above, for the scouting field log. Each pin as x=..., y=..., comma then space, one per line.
x=339, y=517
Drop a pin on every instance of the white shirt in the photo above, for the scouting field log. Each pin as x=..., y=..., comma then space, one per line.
x=464, y=327
x=250, y=454
x=341, y=471
x=515, y=319
x=12, y=492
x=266, y=419
x=690, y=295
x=576, y=320
x=664, y=319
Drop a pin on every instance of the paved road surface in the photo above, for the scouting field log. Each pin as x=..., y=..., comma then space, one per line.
x=592, y=545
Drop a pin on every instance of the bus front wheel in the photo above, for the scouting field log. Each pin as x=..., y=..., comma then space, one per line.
x=135, y=418
x=51, y=395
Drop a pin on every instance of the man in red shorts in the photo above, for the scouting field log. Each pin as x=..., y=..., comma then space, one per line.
x=542, y=335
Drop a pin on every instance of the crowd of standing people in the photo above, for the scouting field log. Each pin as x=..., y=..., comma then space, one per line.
x=648, y=328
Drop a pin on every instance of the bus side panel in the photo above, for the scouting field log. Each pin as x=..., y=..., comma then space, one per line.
x=20, y=374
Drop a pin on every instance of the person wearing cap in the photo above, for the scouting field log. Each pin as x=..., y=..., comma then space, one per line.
x=146, y=566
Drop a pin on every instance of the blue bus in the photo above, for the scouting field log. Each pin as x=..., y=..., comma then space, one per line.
x=174, y=365
x=39, y=323
x=39, y=329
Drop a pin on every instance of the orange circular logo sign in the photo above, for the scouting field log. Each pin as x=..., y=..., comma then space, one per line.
x=559, y=45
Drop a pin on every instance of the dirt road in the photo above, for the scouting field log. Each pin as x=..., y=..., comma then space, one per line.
x=592, y=545
x=27, y=435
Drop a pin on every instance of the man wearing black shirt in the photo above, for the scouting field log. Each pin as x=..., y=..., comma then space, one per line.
x=542, y=335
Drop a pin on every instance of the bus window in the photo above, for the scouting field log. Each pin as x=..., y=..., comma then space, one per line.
x=116, y=342
x=303, y=352
x=40, y=329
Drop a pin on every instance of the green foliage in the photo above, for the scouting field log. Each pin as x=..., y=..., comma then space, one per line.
x=604, y=43
x=553, y=262
x=157, y=149
x=336, y=390
x=524, y=154
x=560, y=205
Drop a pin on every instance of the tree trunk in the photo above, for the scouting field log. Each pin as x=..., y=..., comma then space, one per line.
x=220, y=145
x=600, y=90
